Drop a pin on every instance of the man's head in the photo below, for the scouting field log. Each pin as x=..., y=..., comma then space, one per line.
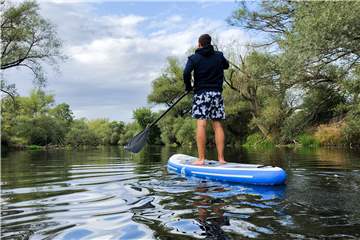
x=204, y=40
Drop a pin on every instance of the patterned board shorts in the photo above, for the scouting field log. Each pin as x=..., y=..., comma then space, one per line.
x=208, y=105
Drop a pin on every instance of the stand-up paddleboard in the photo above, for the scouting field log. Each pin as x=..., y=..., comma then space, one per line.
x=230, y=172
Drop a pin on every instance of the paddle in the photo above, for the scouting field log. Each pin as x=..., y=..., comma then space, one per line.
x=140, y=139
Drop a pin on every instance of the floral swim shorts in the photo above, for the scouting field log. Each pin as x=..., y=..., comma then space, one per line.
x=208, y=105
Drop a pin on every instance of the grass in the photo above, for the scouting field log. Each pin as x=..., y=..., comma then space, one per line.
x=307, y=140
x=329, y=134
x=34, y=147
x=256, y=140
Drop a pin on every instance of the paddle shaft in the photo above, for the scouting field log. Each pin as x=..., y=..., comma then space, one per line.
x=163, y=114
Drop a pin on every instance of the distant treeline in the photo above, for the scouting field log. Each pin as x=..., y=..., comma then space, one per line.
x=299, y=85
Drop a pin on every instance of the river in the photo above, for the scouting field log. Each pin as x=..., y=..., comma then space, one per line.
x=108, y=193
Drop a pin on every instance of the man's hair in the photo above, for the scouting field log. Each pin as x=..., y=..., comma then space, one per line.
x=205, y=40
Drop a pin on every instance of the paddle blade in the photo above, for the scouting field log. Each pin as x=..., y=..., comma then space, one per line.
x=138, y=142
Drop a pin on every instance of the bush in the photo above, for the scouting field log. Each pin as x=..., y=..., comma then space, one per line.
x=292, y=126
x=351, y=132
x=166, y=126
x=34, y=147
x=144, y=117
x=114, y=139
x=131, y=129
x=329, y=134
x=257, y=140
x=177, y=130
x=185, y=134
x=81, y=134
x=307, y=140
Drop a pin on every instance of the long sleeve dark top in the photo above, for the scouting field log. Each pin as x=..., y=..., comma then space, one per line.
x=208, y=66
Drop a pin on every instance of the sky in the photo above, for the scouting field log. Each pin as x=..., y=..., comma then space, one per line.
x=116, y=49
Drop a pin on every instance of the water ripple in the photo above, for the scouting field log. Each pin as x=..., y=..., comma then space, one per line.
x=97, y=196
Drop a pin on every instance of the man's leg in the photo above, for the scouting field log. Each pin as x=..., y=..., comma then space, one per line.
x=200, y=140
x=219, y=140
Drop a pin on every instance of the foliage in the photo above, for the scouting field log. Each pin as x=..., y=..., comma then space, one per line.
x=326, y=32
x=185, y=131
x=293, y=126
x=351, y=131
x=329, y=134
x=116, y=128
x=307, y=140
x=238, y=117
x=168, y=87
x=319, y=32
x=81, y=134
x=316, y=54
x=37, y=120
x=130, y=130
x=27, y=38
x=177, y=130
x=168, y=130
x=33, y=121
x=263, y=91
x=144, y=117
x=101, y=128
x=257, y=140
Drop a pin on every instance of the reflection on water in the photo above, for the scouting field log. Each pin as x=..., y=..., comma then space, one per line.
x=112, y=194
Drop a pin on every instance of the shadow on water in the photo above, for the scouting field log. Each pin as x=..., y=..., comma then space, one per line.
x=112, y=194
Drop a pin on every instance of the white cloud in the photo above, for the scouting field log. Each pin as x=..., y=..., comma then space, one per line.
x=175, y=18
x=121, y=25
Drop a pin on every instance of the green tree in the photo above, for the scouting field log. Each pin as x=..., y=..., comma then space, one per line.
x=81, y=135
x=130, y=130
x=168, y=87
x=262, y=92
x=38, y=103
x=62, y=112
x=117, y=128
x=34, y=120
x=144, y=116
x=317, y=49
x=326, y=32
x=8, y=116
x=311, y=35
x=40, y=130
x=28, y=40
x=101, y=128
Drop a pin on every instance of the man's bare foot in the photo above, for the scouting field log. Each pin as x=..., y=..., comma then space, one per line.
x=222, y=161
x=199, y=162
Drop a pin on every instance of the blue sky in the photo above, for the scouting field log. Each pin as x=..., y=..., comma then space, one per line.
x=191, y=10
x=116, y=49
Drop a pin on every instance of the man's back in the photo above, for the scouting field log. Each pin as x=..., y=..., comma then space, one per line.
x=208, y=66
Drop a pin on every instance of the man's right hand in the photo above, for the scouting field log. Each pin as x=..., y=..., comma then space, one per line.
x=188, y=89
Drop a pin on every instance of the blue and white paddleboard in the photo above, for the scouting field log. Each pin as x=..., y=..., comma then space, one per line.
x=229, y=172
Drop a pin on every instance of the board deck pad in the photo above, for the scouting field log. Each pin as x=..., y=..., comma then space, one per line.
x=213, y=163
x=231, y=172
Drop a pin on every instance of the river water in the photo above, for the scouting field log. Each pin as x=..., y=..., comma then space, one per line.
x=110, y=194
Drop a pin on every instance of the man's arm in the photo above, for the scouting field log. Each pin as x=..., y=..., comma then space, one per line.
x=189, y=67
x=225, y=62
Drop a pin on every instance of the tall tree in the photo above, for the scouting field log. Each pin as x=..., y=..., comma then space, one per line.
x=260, y=85
x=315, y=32
x=317, y=47
x=169, y=86
x=28, y=40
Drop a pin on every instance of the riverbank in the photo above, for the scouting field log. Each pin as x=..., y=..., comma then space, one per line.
x=310, y=144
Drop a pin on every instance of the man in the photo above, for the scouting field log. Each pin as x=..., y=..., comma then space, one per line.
x=208, y=104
